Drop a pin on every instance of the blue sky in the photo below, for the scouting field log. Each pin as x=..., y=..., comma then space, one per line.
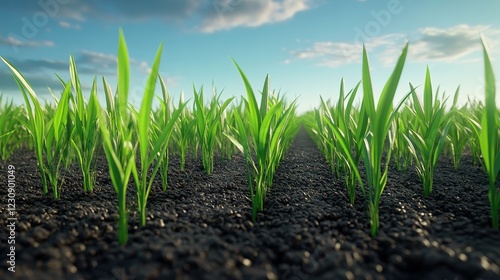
x=306, y=46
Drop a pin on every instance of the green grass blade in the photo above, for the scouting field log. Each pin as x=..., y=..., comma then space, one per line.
x=123, y=75
x=145, y=111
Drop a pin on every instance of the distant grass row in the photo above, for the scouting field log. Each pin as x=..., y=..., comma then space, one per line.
x=75, y=129
x=414, y=133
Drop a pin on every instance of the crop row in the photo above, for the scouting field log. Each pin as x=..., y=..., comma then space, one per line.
x=137, y=142
x=416, y=132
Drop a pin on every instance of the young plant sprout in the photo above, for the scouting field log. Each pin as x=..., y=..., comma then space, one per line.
x=269, y=132
x=86, y=135
x=183, y=131
x=117, y=133
x=151, y=149
x=35, y=121
x=487, y=132
x=459, y=130
x=208, y=125
x=52, y=136
x=345, y=137
x=427, y=135
x=380, y=120
x=12, y=131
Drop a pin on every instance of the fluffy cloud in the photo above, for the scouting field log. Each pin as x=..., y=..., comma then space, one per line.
x=228, y=14
x=429, y=44
x=335, y=54
x=213, y=15
x=65, y=24
x=37, y=65
x=103, y=64
x=23, y=43
x=449, y=44
x=109, y=10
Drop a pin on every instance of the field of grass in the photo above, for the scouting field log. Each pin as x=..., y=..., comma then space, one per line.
x=81, y=148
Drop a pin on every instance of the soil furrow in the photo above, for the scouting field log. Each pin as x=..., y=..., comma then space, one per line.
x=201, y=228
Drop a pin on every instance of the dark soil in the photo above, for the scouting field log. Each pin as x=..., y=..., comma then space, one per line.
x=201, y=228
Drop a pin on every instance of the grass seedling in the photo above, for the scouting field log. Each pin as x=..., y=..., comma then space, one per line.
x=165, y=123
x=86, y=135
x=58, y=140
x=325, y=138
x=380, y=120
x=427, y=136
x=35, y=121
x=459, y=132
x=227, y=123
x=344, y=136
x=151, y=149
x=147, y=156
x=11, y=129
x=162, y=116
x=339, y=142
x=118, y=137
x=489, y=139
x=313, y=121
x=267, y=128
x=282, y=133
x=183, y=132
x=402, y=154
x=208, y=125
x=474, y=115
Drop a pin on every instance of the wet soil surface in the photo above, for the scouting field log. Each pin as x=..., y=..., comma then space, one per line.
x=201, y=227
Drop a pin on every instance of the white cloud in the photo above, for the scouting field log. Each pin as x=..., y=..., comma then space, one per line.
x=65, y=24
x=106, y=63
x=38, y=65
x=23, y=43
x=172, y=80
x=98, y=60
x=335, y=54
x=452, y=44
x=213, y=15
x=228, y=14
x=107, y=10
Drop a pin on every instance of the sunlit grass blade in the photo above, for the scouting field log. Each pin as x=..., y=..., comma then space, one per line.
x=147, y=157
x=123, y=75
x=380, y=121
x=35, y=122
x=12, y=131
x=489, y=139
x=427, y=133
x=57, y=140
x=183, y=132
x=459, y=132
x=163, y=116
x=117, y=137
x=269, y=132
x=151, y=149
x=86, y=135
x=208, y=124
